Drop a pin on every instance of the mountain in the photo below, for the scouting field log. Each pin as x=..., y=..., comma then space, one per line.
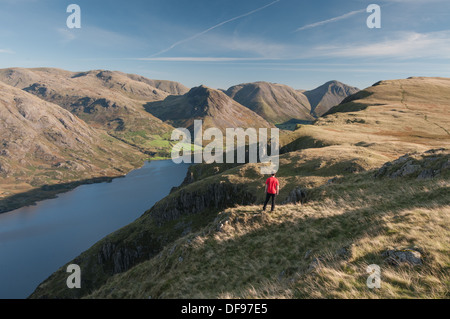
x=366, y=184
x=328, y=95
x=391, y=117
x=43, y=144
x=214, y=107
x=113, y=101
x=276, y=103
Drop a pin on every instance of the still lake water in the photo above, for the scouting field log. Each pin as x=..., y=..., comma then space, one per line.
x=36, y=241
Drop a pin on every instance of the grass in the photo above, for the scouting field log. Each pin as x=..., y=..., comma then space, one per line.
x=255, y=256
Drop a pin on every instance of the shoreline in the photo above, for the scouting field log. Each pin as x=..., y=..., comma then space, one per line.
x=46, y=192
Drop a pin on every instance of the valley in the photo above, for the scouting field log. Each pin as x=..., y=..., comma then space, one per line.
x=373, y=176
x=61, y=129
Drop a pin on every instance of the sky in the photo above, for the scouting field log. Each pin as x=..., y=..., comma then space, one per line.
x=221, y=43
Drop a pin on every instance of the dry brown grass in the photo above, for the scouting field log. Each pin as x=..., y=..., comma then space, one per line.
x=245, y=254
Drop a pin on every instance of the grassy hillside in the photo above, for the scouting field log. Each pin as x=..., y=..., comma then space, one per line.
x=43, y=145
x=109, y=100
x=372, y=191
x=318, y=250
x=392, y=118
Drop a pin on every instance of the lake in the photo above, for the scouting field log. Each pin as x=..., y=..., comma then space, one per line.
x=36, y=241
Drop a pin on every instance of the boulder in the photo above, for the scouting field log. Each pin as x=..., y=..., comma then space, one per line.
x=397, y=257
x=298, y=195
x=406, y=170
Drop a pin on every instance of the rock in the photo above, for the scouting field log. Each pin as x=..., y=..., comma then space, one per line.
x=435, y=151
x=308, y=254
x=219, y=227
x=425, y=166
x=446, y=165
x=298, y=195
x=397, y=257
x=345, y=252
x=332, y=181
x=124, y=259
x=315, y=265
x=172, y=250
x=408, y=169
x=4, y=169
x=219, y=195
x=428, y=173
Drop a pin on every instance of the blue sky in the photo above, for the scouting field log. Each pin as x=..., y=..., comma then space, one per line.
x=220, y=43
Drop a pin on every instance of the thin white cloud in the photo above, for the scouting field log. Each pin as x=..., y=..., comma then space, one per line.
x=405, y=45
x=98, y=37
x=321, y=23
x=214, y=27
x=8, y=51
x=202, y=59
x=237, y=46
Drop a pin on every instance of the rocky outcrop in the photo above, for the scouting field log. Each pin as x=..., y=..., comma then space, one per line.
x=428, y=165
x=297, y=196
x=397, y=257
x=120, y=257
x=214, y=196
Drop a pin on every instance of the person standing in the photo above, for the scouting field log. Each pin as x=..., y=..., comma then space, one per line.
x=272, y=190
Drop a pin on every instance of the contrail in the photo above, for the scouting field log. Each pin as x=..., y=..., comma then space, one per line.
x=212, y=28
x=342, y=17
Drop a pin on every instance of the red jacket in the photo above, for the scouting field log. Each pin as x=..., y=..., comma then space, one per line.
x=272, y=184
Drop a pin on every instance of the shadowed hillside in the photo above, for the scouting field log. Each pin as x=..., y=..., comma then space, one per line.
x=328, y=95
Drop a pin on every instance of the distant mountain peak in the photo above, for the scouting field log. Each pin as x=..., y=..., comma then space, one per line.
x=277, y=103
x=328, y=95
x=214, y=107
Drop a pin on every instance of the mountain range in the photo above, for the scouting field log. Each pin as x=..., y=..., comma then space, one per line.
x=364, y=176
x=212, y=106
x=115, y=112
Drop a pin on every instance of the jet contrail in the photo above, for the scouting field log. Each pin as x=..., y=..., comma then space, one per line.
x=342, y=17
x=212, y=28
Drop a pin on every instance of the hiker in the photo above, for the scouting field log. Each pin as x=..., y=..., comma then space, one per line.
x=272, y=190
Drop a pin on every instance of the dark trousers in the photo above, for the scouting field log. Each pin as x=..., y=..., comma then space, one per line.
x=268, y=197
